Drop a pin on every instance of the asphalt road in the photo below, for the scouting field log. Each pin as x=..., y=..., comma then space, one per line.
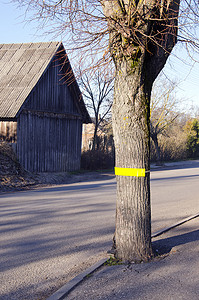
x=49, y=235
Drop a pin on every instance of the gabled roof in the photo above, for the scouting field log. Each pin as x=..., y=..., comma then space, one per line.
x=21, y=66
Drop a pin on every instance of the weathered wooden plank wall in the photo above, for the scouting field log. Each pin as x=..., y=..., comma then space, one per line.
x=8, y=131
x=52, y=94
x=49, y=143
x=49, y=129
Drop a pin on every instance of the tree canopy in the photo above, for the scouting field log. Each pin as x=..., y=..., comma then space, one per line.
x=85, y=25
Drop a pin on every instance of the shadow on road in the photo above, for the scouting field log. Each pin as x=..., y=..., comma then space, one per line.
x=175, y=177
x=164, y=246
x=79, y=187
x=192, y=164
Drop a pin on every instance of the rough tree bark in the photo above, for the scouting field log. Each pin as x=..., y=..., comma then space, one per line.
x=132, y=137
x=142, y=35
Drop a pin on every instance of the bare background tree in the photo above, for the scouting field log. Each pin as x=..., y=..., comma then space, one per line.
x=97, y=89
x=138, y=36
x=164, y=111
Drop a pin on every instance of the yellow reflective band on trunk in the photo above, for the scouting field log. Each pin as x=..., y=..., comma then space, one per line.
x=130, y=172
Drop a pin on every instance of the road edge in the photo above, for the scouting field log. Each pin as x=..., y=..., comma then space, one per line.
x=160, y=232
x=68, y=287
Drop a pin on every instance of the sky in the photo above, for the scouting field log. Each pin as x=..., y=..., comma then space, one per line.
x=182, y=70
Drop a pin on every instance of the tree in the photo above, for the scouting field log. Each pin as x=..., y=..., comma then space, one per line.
x=140, y=37
x=192, y=127
x=97, y=90
x=163, y=111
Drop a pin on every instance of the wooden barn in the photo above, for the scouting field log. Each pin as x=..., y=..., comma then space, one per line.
x=41, y=106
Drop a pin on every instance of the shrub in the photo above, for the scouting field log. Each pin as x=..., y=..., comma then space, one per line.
x=173, y=147
x=193, y=140
x=97, y=160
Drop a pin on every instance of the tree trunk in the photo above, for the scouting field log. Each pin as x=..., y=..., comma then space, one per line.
x=95, y=130
x=157, y=148
x=95, y=136
x=131, y=111
x=142, y=35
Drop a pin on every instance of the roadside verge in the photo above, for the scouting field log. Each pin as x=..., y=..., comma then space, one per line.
x=68, y=287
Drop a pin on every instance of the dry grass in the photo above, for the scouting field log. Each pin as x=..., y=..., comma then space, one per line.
x=12, y=175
